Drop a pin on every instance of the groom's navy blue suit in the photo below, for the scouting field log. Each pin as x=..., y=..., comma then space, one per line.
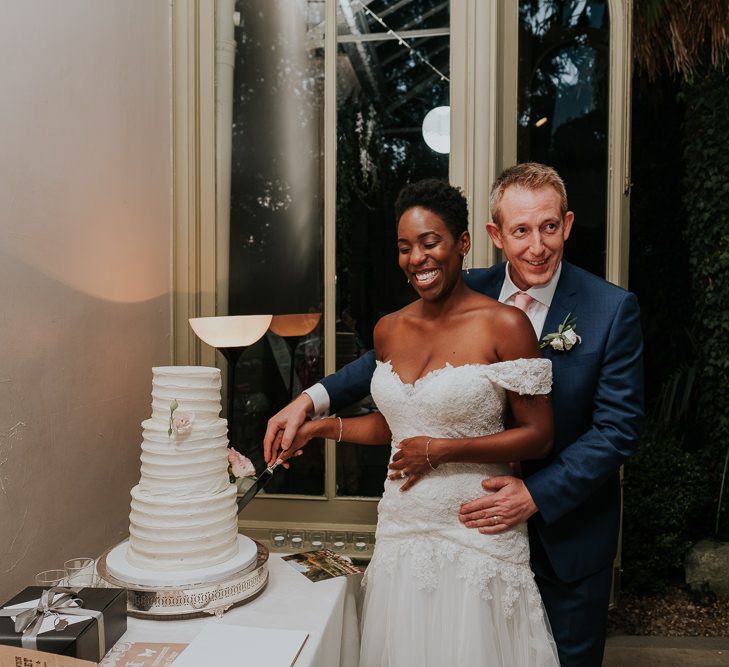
x=597, y=397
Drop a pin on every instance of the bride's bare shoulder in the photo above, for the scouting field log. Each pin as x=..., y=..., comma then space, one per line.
x=383, y=332
x=481, y=301
x=390, y=326
x=480, y=306
x=388, y=323
x=499, y=317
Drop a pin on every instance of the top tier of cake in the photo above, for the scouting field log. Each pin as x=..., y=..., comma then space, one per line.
x=195, y=388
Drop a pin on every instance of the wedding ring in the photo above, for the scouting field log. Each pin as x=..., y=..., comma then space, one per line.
x=403, y=474
x=495, y=519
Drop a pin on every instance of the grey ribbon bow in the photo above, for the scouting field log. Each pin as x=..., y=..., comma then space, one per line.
x=28, y=620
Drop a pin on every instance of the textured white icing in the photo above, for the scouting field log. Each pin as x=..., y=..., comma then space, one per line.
x=195, y=388
x=120, y=568
x=183, y=512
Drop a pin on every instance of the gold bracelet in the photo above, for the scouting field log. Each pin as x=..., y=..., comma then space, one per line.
x=427, y=454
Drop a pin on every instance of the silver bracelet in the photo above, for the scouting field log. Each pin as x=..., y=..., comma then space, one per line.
x=427, y=453
x=339, y=439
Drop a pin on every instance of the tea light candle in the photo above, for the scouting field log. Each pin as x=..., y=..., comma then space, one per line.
x=278, y=540
x=339, y=545
x=360, y=546
x=296, y=541
x=316, y=544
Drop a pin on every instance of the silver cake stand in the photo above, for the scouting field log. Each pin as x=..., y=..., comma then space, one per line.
x=183, y=601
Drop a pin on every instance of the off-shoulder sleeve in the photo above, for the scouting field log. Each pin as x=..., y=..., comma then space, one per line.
x=523, y=376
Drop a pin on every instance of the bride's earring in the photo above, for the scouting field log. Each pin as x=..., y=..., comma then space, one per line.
x=465, y=263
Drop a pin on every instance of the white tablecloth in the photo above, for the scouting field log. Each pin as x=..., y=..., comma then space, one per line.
x=327, y=610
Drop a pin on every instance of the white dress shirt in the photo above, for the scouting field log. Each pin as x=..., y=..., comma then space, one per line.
x=542, y=294
x=536, y=312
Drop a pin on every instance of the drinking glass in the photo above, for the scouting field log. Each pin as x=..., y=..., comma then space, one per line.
x=79, y=564
x=81, y=572
x=83, y=580
x=48, y=578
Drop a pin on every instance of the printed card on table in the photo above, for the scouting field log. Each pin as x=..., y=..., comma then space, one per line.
x=11, y=656
x=321, y=565
x=142, y=654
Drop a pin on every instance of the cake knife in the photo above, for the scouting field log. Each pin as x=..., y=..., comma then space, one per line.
x=261, y=481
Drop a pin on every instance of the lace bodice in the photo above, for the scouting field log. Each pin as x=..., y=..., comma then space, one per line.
x=455, y=401
x=452, y=402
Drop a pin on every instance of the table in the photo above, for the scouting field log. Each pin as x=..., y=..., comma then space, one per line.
x=327, y=610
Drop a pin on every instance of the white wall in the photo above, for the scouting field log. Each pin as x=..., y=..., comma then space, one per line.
x=85, y=268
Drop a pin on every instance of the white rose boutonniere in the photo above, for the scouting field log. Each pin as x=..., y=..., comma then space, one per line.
x=565, y=338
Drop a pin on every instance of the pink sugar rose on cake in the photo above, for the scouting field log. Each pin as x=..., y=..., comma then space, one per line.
x=182, y=422
x=240, y=466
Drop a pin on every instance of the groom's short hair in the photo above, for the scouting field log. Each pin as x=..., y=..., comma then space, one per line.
x=530, y=176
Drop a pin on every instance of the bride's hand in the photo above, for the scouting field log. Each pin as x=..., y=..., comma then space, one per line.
x=411, y=462
x=306, y=432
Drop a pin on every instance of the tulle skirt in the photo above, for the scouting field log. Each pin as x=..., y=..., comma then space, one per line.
x=453, y=623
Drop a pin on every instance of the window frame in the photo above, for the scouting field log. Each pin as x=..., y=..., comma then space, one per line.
x=484, y=58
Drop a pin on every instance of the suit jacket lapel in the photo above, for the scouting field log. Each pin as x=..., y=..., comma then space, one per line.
x=563, y=303
x=495, y=282
x=487, y=281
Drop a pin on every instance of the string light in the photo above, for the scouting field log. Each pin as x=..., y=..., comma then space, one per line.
x=402, y=42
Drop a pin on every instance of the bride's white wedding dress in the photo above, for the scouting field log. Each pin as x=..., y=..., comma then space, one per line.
x=438, y=593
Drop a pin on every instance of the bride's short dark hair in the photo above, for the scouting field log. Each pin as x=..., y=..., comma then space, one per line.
x=439, y=197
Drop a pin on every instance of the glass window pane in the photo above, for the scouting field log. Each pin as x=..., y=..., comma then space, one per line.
x=385, y=87
x=379, y=16
x=564, y=51
x=276, y=219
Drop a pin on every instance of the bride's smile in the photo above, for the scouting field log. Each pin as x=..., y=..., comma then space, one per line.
x=430, y=253
x=426, y=277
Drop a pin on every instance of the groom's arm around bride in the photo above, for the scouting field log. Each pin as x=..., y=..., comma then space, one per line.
x=571, y=499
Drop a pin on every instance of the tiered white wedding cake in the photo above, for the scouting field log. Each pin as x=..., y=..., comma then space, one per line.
x=184, y=512
x=184, y=517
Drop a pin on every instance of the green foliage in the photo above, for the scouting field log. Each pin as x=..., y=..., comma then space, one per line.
x=665, y=494
x=677, y=395
x=706, y=202
x=680, y=271
x=657, y=529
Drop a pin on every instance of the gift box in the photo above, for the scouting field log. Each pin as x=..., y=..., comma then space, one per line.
x=64, y=634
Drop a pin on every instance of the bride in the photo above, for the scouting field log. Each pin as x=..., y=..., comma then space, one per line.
x=452, y=368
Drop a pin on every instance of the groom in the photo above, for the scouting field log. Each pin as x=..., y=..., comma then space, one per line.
x=571, y=499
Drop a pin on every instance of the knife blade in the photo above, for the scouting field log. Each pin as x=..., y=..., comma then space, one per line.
x=261, y=481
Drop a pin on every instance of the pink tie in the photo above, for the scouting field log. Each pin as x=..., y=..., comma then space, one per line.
x=522, y=301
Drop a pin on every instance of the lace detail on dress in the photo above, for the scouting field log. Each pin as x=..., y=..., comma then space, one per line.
x=427, y=557
x=524, y=376
x=422, y=523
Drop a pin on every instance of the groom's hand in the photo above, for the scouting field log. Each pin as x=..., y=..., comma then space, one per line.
x=283, y=425
x=509, y=503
